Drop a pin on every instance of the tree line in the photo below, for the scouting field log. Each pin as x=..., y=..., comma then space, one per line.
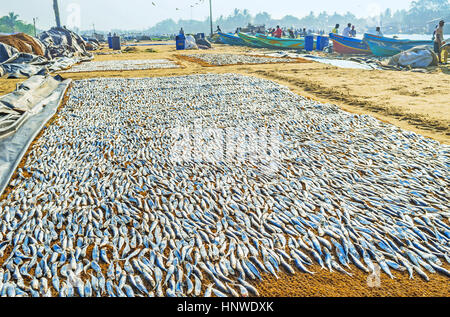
x=11, y=24
x=421, y=18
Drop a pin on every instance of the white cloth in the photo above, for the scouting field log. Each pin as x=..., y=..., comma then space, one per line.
x=190, y=43
x=346, y=32
x=416, y=58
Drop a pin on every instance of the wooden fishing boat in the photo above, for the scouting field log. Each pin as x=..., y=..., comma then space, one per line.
x=284, y=43
x=386, y=46
x=349, y=45
x=253, y=41
x=231, y=39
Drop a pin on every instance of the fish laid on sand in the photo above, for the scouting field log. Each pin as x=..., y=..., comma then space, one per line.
x=234, y=59
x=119, y=65
x=197, y=185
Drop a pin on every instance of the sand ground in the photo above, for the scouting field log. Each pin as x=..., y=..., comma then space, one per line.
x=418, y=102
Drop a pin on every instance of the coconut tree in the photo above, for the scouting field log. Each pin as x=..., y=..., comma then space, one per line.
x=56, y=9
x=11, y=20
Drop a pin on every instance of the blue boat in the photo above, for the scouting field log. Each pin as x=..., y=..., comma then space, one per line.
x=349, y=45
x=231, y=39
x=386, y=46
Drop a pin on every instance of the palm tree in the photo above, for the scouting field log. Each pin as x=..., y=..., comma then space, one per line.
x=56, y=9
x=11, y=20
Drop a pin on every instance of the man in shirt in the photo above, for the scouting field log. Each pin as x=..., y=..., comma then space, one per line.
x=347, y=30
x=439, y=39
x=278, y=32
x=353, y=31
x=336, y=29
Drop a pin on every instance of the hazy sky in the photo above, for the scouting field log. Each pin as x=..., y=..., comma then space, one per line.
x=141, y=14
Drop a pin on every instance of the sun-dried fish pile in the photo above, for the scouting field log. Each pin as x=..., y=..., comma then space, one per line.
x=196, y=185
x=235, y=59
x=118, y=65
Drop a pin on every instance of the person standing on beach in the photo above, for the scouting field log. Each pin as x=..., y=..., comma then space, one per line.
x=347, y=30
x=336, y=29
x=353, y=31
x=291, y=34
x=278, y=32
x=439, y=39
x=378, y=31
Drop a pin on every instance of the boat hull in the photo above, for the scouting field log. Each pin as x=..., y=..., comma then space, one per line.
x=385, y=46
x=278, y=43
x=347, y=45
x=232, y=39
x=253, y=41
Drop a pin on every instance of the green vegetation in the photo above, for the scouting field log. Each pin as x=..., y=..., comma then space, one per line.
x=11, y=24
x=419, y=18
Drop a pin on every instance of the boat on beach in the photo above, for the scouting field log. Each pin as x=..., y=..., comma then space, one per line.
x=349, y=45
x=253, y=40
x=283, y=43
x=231, y=39
x=386, y=46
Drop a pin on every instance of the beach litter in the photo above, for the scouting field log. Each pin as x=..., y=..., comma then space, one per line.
x=199, y=185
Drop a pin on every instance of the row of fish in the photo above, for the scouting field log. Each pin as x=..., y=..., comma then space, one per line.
x=120, y=65
x=103, y=206
x=234, y=59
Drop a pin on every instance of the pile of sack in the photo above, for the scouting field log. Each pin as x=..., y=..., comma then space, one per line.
x=62, y=42
x=416, y=57
x=22, y=55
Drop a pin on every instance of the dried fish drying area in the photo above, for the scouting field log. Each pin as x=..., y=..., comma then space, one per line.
x=209, y=60
x=204, y=185
x=122, y=65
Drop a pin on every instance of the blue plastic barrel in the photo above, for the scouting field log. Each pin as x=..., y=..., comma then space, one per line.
x=322, y=42
x=110, y=41
x=325, y=41
x=309, y=43
x=319, y=43
x=180, y=42
x=115, y=41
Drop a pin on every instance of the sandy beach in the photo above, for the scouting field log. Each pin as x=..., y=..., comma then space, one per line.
x=414, y=101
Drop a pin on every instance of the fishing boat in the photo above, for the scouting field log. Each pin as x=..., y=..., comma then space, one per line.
x=349, y=45
x=285, y=43
x=253, y=40
x=386, y=46
x=231, y=39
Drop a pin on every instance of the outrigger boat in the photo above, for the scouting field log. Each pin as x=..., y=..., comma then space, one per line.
x=349, y=45
x=284, y=43
x=253, y=41
x=231, y=39
x=386, y=46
